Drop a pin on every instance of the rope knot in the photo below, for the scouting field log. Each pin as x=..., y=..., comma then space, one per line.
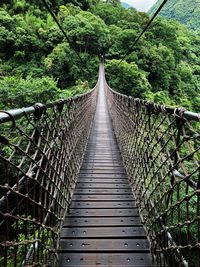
x=179, y=112
x=39, y=109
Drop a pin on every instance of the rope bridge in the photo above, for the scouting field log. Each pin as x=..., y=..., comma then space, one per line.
x=41, y=152
x=160, y=148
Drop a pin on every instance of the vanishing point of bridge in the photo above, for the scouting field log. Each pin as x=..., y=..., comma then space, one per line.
x=102, y=227
x=100, y=179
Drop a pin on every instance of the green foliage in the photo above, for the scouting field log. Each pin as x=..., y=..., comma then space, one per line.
x=25, y=234
x=87, y=32
x=106, y=11
x=168, y=56
x=37, y=64
x=159, y=97
x=16, y=92
x=58, y=61
x=185, y=11
x=80, y=88
x=128, y=78
x=5, y=19
x=164, y=67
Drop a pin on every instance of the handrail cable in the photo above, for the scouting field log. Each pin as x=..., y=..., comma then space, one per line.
x=160, y=151
x=46, y=153
x=62, y=30
x=144, y=30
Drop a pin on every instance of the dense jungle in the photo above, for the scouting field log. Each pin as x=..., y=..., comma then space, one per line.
x=37, y=64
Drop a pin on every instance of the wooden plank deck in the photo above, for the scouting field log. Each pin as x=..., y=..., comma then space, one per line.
x=103, y=227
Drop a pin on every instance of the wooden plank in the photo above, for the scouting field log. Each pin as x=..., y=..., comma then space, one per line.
x=103, y=227
x=103, y=245
x=102, y=221
x=103, y=158
x=102, y=191
x=104, y=212
x=103, y=232
x=102, y=185
x=104, y=180
x=102, y=204
x=89, y=165
x=101, y=161
x=95, y=197
x=105, y=259
x=103, y=175
x=104, y=171
x=95, y=168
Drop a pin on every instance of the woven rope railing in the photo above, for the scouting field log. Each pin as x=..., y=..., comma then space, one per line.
x=41, y=151
x=160, y=148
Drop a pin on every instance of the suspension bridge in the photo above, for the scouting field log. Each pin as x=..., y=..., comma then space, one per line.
x=101, y=179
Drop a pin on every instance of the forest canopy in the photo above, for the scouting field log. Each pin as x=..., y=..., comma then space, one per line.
x=38, y=64
x=185, y=11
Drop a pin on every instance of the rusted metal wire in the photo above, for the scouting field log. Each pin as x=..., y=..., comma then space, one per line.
x=160, y=148
x=41, y=151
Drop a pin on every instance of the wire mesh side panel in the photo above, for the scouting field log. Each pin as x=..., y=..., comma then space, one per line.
x=160, y=148
x=40, y=157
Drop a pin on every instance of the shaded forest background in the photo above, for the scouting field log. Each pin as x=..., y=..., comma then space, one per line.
x=37, y=64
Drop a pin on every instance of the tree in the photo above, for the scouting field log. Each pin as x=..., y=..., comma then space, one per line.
x=16, y=92
x=87, y=32
x=127, y=78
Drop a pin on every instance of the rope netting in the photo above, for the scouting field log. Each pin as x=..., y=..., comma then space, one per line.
x=41, y=151
x=160, y=148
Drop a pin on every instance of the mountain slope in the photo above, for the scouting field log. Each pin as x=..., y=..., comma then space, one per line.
x=185, y=11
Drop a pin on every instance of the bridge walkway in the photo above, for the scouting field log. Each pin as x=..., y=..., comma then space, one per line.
x=103, y=226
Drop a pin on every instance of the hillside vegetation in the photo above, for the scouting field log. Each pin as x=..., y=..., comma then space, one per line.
x=37, y=64
x=184, y=11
